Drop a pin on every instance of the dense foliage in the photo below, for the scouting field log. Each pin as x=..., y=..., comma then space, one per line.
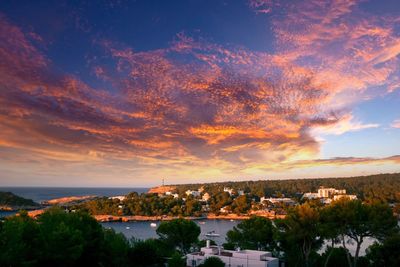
x=298, y=238
x=179, y=233
x=144, y=205
x=61, y=239
x=254, y=233
x=11, y=200
x=382, y=186
x=212, y=262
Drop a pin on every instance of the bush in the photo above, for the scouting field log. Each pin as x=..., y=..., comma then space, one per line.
x=176, y=261
x=212, y=262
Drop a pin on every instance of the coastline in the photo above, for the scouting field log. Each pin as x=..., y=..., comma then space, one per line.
x=113, y=218
x=130, y=218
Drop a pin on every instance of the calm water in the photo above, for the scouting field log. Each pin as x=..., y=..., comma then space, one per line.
x=143, y=230
x=40, y=194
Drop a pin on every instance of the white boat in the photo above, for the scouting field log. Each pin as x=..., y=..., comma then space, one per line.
x=153, y=225
x=127, y=228
x=212, y=234
x=202, y=222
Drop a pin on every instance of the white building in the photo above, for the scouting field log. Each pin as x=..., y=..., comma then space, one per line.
x=310, y=195
x=121, y=198
x=241, y=258
x=330, y=192
x=206, y=197
x=225, y=209
x=228, y=190
x=275, y=200
x=351, y=197
x=193, y=193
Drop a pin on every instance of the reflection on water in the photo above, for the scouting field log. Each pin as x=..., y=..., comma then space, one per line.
x=143, y=230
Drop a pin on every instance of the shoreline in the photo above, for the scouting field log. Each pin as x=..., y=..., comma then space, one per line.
x=113, y=218
x=129, y=218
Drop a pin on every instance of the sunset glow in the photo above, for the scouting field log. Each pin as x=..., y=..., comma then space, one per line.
x=125, y=93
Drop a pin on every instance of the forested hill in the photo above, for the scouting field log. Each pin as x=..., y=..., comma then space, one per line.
x=11, y=201
x=384, y=186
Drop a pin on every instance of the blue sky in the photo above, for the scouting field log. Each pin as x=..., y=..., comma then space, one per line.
x=124, y=93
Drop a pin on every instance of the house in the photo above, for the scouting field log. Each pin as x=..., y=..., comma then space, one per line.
x=225, y=209
x=228, y=190
x=242, y=258
x=193, y=193
x=206, y=197
x=351, y=197
x=310, y=195
x=275, y=200
x=121, y=198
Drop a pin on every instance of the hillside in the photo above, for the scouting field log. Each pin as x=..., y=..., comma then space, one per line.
x=383, y=186
x=9, y=201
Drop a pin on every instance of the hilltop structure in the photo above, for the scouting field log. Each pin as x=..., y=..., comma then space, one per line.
x=326, y=195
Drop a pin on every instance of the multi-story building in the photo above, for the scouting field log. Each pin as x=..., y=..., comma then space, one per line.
x=330, y=192
x=232, y=258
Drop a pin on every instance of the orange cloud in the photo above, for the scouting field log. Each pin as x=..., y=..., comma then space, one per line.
x=198, y=106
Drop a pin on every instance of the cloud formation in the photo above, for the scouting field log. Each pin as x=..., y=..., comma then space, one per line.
x=395, y=124
x=199, y=105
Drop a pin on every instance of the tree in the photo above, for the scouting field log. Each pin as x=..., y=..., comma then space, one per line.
x=70, y=238
x=179, y=233
x=212, y=262
x=254, y=233
x=330, y=231
x=241, y=204
x=176, y=260
x=299, y=232
x=144, y=253
x=115, y=249
x=20, y=241
x=58, y=238
x=338, y=257
x=357, y=221
x=386, y=253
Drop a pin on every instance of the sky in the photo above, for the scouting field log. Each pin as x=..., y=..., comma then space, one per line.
x=127, y=93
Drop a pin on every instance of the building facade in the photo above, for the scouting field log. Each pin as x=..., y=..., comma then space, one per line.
x=232, y=258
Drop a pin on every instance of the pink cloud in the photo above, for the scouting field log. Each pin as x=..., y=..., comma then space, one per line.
x=395, y=124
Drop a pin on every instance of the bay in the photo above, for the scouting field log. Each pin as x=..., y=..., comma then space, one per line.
x=143, y=230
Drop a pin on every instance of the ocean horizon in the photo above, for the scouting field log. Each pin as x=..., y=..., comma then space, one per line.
x=40, y=194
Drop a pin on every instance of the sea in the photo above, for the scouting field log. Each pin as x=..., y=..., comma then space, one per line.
x=40, y=194
x=137, y=230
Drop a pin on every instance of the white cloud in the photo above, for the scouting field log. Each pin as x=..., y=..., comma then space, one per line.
x=345, y=124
